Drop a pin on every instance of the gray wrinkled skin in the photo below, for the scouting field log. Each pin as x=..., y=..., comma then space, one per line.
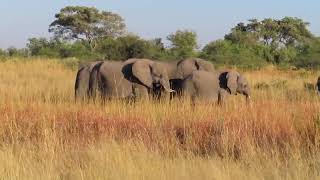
x=128, y=79
x=214, y=86
x=179, y=70
x=82, y=80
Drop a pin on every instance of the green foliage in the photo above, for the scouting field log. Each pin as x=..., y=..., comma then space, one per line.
x=35, y=45
x=285, y=55
x=77, y=49
x=309, y=56
x=131, y=46
x=156, y=49
x=3, y=54
x=109, y=48
x=227, y=53
x=183, y=43
x=56, y=48
x=123, y=47
x=284, y=42
x=286, y=32
x=14, y=52
x=86, y=23
x=71, y=63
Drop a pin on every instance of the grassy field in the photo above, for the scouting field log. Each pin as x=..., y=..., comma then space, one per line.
x=44, y=134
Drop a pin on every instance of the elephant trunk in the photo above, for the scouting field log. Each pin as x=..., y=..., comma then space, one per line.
x=166, y=85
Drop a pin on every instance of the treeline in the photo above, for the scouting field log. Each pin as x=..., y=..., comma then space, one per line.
x=87, y=33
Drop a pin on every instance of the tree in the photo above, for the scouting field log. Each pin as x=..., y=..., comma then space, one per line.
x=156, y=49
x=36, y=44
x=132, y=46
x=2, y=53
x=310, y=55
x=14, y=52
x=124, y=47
x=286, y=32
x=86, y=23
x=224, y=52
x=277, y=41
x=183, y=43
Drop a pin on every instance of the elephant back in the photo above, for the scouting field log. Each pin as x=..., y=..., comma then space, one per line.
x=187, y=66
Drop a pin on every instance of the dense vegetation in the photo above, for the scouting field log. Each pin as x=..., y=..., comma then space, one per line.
x=87, y=33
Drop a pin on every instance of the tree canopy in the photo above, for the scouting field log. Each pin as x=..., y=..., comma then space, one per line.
x=88, y=23
x=259, y=42
x=183, y=43
x=285, y=32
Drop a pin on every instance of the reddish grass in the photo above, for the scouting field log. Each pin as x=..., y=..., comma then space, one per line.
x=226, y=136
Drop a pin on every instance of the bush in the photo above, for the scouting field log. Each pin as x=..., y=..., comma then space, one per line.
x=227, y=53
x=3, y=54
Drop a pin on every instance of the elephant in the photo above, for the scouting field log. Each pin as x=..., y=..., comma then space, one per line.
x=81, y=86
x=214, y=86
x=129, y=79
x=179, y=70
x=186, y=66
x=318, y=85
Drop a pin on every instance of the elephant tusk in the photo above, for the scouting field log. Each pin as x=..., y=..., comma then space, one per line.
x=248, y=99
x=170, y=90
x=166, y=86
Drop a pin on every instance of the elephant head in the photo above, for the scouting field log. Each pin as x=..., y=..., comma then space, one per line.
x=235, y=83
x=151, y=73
x=187, y=66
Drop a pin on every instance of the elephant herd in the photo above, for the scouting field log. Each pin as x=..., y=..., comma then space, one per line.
x=144, y=78
x=194, y=78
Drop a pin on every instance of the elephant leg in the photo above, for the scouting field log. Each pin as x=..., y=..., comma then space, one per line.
x=140, y=91
x=194, y=100
x=222, y=96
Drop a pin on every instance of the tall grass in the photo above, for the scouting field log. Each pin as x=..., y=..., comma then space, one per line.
x=44, y=134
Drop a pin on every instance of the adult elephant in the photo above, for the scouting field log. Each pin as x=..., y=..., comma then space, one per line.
x=186, y=66
x=81, y=86
x=179, y=70
x=129, y=79
x=214, y=86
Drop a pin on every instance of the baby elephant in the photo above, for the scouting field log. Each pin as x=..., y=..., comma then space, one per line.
x=214, y=86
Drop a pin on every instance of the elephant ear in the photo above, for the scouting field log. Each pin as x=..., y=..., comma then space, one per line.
x=141, y=69
x=202, y=64
x=232, y=81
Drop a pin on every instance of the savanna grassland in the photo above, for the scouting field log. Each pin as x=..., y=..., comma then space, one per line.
x=44, y=134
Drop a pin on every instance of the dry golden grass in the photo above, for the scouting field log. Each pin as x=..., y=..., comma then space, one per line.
x=44, y=134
